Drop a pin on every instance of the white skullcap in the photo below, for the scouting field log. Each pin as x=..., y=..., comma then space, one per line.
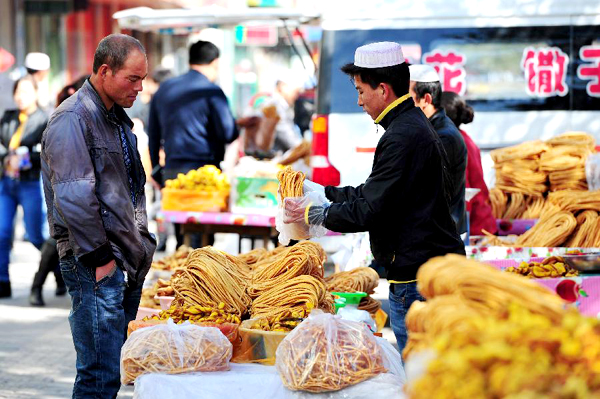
x=37, y=61
x=378, y=55
x=289, y=77
x=423, y=73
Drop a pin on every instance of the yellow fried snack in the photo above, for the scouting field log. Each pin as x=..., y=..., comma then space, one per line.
x=173, y=349
x=326, y=353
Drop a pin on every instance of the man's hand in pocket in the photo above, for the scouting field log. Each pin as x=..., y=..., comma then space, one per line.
x=105, y=270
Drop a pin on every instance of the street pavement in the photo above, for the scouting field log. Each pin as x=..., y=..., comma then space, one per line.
x=37, y=357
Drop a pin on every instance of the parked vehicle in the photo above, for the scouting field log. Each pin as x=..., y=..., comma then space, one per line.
x=530, y=70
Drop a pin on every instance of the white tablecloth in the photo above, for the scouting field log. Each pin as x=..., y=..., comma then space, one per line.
x=253, y=381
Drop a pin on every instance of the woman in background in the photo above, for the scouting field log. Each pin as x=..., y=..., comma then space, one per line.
x=20, y=137
x=49, y=259
x=481, y=216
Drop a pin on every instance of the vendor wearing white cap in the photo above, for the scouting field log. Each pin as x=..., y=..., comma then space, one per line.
x=38, y=66
x=426, y=91
x=403, y=204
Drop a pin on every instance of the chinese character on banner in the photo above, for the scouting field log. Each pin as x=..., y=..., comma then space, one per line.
x=450, y=67
x=545, y=71
x=590, y=71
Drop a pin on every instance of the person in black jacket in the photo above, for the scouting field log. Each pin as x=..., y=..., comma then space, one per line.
x=426, y=91
x=20, y=136
x=403, y=204
x=190, y=118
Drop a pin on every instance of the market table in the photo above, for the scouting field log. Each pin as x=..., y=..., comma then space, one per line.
x=207, y=223
x=253, y=381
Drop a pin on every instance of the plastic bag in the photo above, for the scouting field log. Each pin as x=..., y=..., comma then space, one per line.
x=392, y=360
x=326, y=353
x=174, y=348
x=361, y=316
x=310, y=186
x=301, y=230
x=592, y=172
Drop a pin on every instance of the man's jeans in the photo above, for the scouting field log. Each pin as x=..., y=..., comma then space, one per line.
x=100, y=313
x=401, y=297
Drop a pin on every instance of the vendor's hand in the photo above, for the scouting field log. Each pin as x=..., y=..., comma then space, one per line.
x=105, y=270
x=293, y=210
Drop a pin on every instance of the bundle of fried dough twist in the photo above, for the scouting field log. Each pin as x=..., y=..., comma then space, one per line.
x=303, y=258
x=491, y=334
x=361, y=279
x=291, y=183
x=174, y=349
x=524, y=173
x=326, y=353
x=212, y=277
x=298, y=294
x=260, y=256
x=457, y=288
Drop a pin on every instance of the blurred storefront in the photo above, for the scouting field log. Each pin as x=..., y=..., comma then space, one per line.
x=68, y=31
x=260, y=41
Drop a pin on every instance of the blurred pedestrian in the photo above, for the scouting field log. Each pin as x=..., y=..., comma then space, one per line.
x=38, y=66
x=277, y=131
x=304, y=107
x=426, y=91
x=140, y=111
x=94, y=187
x=20, y=137
x=49, y=261
x=480, y=210
x=139, y=114
x=190, y=118
x=287, y=133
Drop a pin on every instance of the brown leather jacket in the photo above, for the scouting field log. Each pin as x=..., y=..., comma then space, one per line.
x=90, y=209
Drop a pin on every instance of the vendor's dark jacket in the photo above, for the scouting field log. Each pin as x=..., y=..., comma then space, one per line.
x=30, y=138
x=456, y=150
x=87, y=188
x=402, y=204
x=191, y=119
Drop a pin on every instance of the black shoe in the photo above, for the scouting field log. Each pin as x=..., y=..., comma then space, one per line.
x=61, y=290
x=5, y=291
x=35, y=298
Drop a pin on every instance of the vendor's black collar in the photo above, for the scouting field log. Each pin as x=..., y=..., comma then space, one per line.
x=404, y=106
x=438, y=118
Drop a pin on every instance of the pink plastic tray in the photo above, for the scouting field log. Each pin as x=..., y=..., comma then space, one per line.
x=582, y=291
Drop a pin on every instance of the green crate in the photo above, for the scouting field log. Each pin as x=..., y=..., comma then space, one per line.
x=254, y=195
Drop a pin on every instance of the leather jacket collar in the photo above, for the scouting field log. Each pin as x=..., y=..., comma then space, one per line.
x=117, y=110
